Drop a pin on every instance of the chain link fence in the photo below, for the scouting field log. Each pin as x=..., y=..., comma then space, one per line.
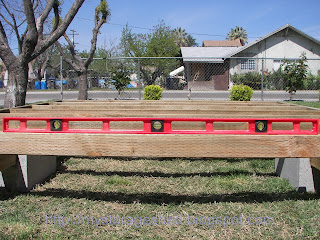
x=202, y=78
x=181, y=79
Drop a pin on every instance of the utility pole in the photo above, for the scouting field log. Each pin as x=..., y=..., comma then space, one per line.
x=73, y=33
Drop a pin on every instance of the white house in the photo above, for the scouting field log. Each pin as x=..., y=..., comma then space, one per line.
x=214, y=64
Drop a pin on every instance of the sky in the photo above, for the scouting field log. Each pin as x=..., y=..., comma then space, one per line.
x=203, y=19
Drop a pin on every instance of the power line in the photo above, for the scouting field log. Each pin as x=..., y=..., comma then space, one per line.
x=151, y=29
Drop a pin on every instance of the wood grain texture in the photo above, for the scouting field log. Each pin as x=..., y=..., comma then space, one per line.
x=179, y=111
x=170, y=108
x=138, y=145
x=168, y=102
x=174, y=106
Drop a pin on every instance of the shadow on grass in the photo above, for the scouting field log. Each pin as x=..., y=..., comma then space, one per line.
x=168, y=175
x=6, y=195
x=165, y=198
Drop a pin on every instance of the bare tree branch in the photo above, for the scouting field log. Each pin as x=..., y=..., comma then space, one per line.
x=22, y=23
x=44, y=44
x=35, y=5
x=6, y=20
x=43, y=16
x=95, y=32
x=56, y=16
x=72, y=50
x=4, y=47
x=13, y=25
x=31, y=37
x=31, y=43
x=75, y=65
x=3, y=35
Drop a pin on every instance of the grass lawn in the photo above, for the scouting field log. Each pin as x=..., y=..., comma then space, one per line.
x=308, y=104
x=106, y=198
x=161, y=199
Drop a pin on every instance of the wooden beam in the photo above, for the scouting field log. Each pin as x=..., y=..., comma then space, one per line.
x=161, y=145
x=154, y=114
x=144, y=102
x=7, y=161
x=157, y=103
x=179, y=111
x=164, y=145
x=174, y=107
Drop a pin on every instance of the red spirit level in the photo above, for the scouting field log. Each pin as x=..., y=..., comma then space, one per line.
x=158, y=125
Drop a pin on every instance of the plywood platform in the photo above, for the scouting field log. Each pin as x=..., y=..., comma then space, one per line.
x=163, y=145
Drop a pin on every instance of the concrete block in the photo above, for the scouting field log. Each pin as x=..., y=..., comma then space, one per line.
x=29, y=171
x=298, y=171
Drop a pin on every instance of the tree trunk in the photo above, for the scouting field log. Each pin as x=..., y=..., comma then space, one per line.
x=83, y=85
x=17, y=85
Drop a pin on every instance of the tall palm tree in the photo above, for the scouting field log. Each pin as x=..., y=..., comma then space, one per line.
x=238, y=33
x=181, y=37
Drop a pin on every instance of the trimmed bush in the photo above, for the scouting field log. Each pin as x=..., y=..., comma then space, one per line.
x=272, y=81
x=152, y=92
x=241, y=93
x=251, y=79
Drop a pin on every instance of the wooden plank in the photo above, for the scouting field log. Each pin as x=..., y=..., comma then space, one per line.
x=172, y=106
x=177, y=105
x=145, y=103
x=161, y=145
x=7, y=161
x=162, y=102
x=170, y=101
x=165, y=107
x=179, y=111
x=216, y=110
x=154, y=114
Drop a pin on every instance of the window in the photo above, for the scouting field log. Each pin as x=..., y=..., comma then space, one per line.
x=248, y=64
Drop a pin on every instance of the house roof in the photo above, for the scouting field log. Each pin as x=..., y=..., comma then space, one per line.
x=225, y=43
x=206, y=54
x=270, y=34
x=219, y=53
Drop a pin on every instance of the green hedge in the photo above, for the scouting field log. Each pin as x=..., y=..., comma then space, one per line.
x=251, y=79
x=152, y=92
x=241, y=93
x=272, y=81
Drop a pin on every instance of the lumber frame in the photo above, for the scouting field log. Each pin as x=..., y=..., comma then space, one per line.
x=137, y=145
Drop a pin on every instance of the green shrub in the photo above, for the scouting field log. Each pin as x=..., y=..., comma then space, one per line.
x=295, y=74
x=241, y=93
x=152, y=92
x=120, y=77
x=312, y=82
x=272, y=81
x=251, y=79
